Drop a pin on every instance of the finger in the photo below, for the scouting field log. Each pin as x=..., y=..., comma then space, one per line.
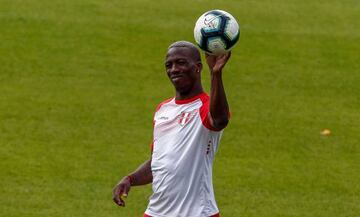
x=121, y=202
x=118, y=191
x=226, y=56
x=210, y=55
x=229, y=54
x=123, y=195
x=118, y=200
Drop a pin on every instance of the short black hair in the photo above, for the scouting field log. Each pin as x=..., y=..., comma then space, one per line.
x=189, y=45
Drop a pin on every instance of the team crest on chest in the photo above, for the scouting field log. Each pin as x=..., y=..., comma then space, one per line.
x=186, y=117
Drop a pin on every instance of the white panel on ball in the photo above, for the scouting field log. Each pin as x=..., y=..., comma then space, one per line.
x=216, y=45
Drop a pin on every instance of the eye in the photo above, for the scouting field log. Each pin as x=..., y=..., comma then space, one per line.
x=181, y=62
x=167, y=65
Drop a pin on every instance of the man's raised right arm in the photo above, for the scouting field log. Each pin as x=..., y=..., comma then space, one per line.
x=141, y=176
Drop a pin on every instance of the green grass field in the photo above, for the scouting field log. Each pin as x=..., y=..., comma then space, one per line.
x=79, y=82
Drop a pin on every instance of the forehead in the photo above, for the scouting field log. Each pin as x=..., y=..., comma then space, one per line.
x=178, y=52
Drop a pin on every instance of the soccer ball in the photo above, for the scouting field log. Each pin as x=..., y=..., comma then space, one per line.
x=216, y=32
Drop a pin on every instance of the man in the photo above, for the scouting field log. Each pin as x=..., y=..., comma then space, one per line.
x=187, y=131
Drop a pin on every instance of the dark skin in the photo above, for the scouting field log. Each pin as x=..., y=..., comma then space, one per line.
x=183, y=67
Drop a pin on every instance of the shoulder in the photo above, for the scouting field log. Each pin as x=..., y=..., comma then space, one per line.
x=204, y=98
x=163, y=103
x=205, y=114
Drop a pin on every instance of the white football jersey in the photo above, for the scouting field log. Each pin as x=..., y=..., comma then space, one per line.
x=183, y=150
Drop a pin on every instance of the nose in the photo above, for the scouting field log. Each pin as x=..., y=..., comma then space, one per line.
x=174, y=69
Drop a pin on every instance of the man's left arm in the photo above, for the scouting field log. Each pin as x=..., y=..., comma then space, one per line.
x=219, y=108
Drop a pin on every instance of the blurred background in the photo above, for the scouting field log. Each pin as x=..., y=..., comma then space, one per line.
x=80, y=80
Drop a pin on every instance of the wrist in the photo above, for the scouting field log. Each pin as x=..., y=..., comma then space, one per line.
x=216, y=72
x=216, y=75
x=130, y=178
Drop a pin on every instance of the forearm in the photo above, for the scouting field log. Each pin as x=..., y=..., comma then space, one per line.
x=219, y=108
x=142, y=175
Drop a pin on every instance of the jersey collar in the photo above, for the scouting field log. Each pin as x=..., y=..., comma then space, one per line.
x=184, y=101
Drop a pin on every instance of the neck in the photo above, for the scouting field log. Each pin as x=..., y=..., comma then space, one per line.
x=188, y=95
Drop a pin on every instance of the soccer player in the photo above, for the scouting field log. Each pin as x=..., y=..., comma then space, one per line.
x=187, y=131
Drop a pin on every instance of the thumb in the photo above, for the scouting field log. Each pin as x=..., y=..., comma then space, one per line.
x=125, y=192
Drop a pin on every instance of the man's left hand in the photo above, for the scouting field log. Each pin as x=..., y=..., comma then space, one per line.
x=217, y=63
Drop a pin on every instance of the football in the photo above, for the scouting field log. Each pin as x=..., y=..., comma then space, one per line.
x=216, y=32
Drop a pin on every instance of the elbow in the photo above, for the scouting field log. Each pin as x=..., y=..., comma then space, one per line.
x=221, y=123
